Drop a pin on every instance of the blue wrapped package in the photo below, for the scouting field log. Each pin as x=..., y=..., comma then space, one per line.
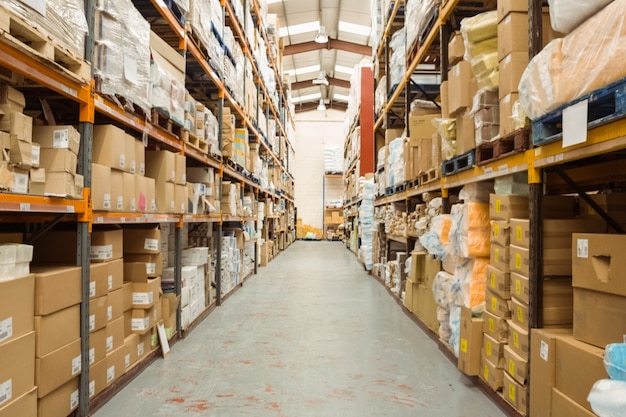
x=615, y=361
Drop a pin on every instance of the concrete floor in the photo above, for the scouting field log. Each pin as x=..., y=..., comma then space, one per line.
x=311, y=335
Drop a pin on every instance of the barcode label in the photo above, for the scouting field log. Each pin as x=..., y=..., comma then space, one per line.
x=110, y=374
x=92, y=289
x=109, y=313
x=143, y=298
x=133, y=204
x=92, y=388
x=544, y=351
x=101, y=252
x=150, y=268
x=142, y=169
x=582, y=248
x=6, y=329
x=92, y=356
x=6, y=391
x=35, y=155
x=92, y=323
x=151, y=244
x=120, y=203
x=110, y=278
x=140, y=349
x=74, y=400
x=122, y=160
x=127, y=360
x=140, y=324
x=106, y=201
x=20, y=183
x=109, y=343
x=133, y=166
x=61, y=139
x=76, y=365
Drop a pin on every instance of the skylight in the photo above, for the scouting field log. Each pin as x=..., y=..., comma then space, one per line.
x=356, y=29
x=303, y=70
x=342, y=97
x=307, y=97
x=345, y=70
x=299, y=29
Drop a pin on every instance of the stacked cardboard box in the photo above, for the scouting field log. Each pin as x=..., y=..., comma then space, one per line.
x=419, y=297
x=169, y=173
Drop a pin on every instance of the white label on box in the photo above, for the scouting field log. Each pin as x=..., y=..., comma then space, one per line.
x=74, y=400
x=133, y=204
x=150, y=268
x=173, y=176
x=184, y=178
x=142, y=169
x=575, y=124
x=140, y=349
x=101, y=252
x=92, y=289
x=92, y=356
x=92, y=322
x=143, y=298
x=61, y=139
x=153, y=205
x=6, y=329
x=130, y=69
x=92, y=388
x=122, y=162
x=76, y=365
x=20, y=183
x=127, y=360
x=106, y=201
x=110, y=374
x=36, y=150
x=133, y=167
x=109, y=343
x=140, y=324
x=582, y=248
x=544, y=351
x=110, y=278
x=109, y=313
x=120, y=203
x=151, y=244
x=6, y=391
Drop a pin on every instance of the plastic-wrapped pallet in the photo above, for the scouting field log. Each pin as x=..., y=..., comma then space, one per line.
x=471, y=230
x=566, y=15
x=167, y=78
x=395, y=168
x=577, y=64
x=455, y=328
x=472, y=274
x=608, y=398
x=397, y=64
x=480, y=35
x=333, y=159
x=366, y=216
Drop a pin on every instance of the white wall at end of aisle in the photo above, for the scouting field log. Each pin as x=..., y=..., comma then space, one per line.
x=314, y=130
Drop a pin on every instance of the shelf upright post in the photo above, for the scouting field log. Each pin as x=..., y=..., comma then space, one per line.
x=218, y=261
x=178, y=267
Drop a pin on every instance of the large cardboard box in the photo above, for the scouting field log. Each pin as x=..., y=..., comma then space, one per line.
x=129, y=193
x=491, y=374
x=392, y=134
x=456, y=48
x=115, y=304
x=17, y=298
x=19, y=125
x=519, y=313
x=500, y=232
x=507, y=123
x=563, y=406
x=115, y=334
x=180, y=166
x=507, y=6
x=520, y=287
x=21, y=153
x=57, y=330
x=131, y=343
x=520, y=232
x=109, y=147
x=408, y=294
x=493, y=350
x=519, y=260
x=598, y=263
x=97, y=346
x=424, y=268
x=140, y=268
x=424, y=160
x=578, y=367
x=461, y=87
x=115, y=276
x=24, y=406
x=161, y=165
x=543, y=369
x=106, y=245
x=465, y=130
x=127, y=291
x=60, y=184
x=515, y=394
x=56, y=288
x=421, y=128
x=511, y=69
x=497, y=305
x=498, y=281
x=513, y=33
x=445, y=100
x=57, y=137
x=470, y=343
x=97, y=377
x=170, y=306
x=130, y=150
x=61, y=402
x=425, y=307
x=515, y=365
x=57, y=367
x=17, y=367
x=505, y=207
x=165, y=197
x=501, y=258
x=101, y=187
x=62, y=160
x=142, y=240
x=116, y=366
x=599, y=318
x=141, y=320
x=145, y=189
x=180, y=199
x=98, y=313
x=495, y=327
x=519, y=341
x=98, y=279
x=145, y=295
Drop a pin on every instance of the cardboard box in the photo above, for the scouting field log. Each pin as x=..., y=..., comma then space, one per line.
x=142, y=240
x=10, y=95
x=109, y=147
x=165, y=198
x=131, y=343
x=500, y=258
x=142, y=320
x=465, y=139
x=505, y=207
x=511, y=69
x=519, y=313
x=21, y=153
x=97, y=346
x=60, y=184
x=519, y=340
x=23, y=406
x=424, y=156
x=515, y=394
x=515, y=365
x=140, y=157
x=493, y=350
x=613, y=204
x=445, y=100
x=115, y=276
x=19, y=125
x=520, y=287
x=421, y=128
x=106, y=245
x=140, y=268
x=129, y=193
x=127, y=291
x=116, y=366
x=98, y=279
x=170, y=306
x=97, y=377
x=520, y=233
x=101, y=187
x=592, y=311
x=115, y=334
x=519, y=260
x=180, y=166
x=495, y=327
x=57, y=137
x=470, y=343
x=145, y=189
x=424, y=268
x=497, y=305
x=507, y=124
x=507, y=6
x=500, y=232
x=17, y=366
x=57, y=367
x=98, y=313
x=161, y=165
x=56, y=288
x=461, y=87
x=492, y=375
x=180, y=199
x=498, y=282
x=425, y=307
x=61, y=402
x=115, y=304
x=456, y=48
x=513, y=33
x=145, y=295
x=117, y=190
x=408, y=294
x=563, y=406
x=56, y=330
x=543, y=369
x=598, y=262
x=37, y=181
x=16, y=307
x=578, y=367
x=392, y=134
x=62, y=160
x=558, y=301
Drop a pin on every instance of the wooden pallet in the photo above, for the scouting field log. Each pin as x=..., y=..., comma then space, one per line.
x=21, y=35
x=429, y=176
x=459, y=163
x=516, y=142
x=164, y=122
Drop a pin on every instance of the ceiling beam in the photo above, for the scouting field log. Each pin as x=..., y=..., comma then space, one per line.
x=309, y=83
x=313, y=106
x=332, y=44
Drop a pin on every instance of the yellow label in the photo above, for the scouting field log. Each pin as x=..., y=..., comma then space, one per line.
x=494, y=303
x=512, y=392
x=497, y=255
x=518, y=287
x=520, y=314
x=518, y=260
x=464, y=345
x=498, y=206
x=488, y=347
x=518, y=233
x=492, y=325
x=516, y=339
x=486, y=373
x=496, y=230
x=511, y=367
x=492, y=277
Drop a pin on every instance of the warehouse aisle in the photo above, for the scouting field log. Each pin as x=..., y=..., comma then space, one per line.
x=311, y=335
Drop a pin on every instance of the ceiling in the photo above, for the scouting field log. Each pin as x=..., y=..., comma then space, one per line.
x=343, y=51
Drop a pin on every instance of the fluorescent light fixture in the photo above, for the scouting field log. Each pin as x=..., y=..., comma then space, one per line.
x=342, y=97
x=321, y=106
x=345, y=70
x=303, y=70
x=307, y=97
x=321, y=36
x=299, y=29
x=356, y=29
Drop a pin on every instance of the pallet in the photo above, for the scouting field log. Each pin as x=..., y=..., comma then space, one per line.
x=395, y=189
x=164, y=122
x=516, y=142
x=429, y=176
x=216, y=156
x=176, y=11
x=19, y=34
x=458, y=164
x=235, y=166
x=604, y=105
x=195, y=142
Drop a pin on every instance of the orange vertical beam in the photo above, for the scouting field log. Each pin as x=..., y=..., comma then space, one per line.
x=368, y=146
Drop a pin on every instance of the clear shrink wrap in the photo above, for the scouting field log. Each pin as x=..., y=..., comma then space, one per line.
x=122, y=52
x=480, y=27
x=471, y=230
x=64, y=21
x=608, y=398
x=472, y=274
x=566, y=15
x=455, y=328
x=577, y=64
